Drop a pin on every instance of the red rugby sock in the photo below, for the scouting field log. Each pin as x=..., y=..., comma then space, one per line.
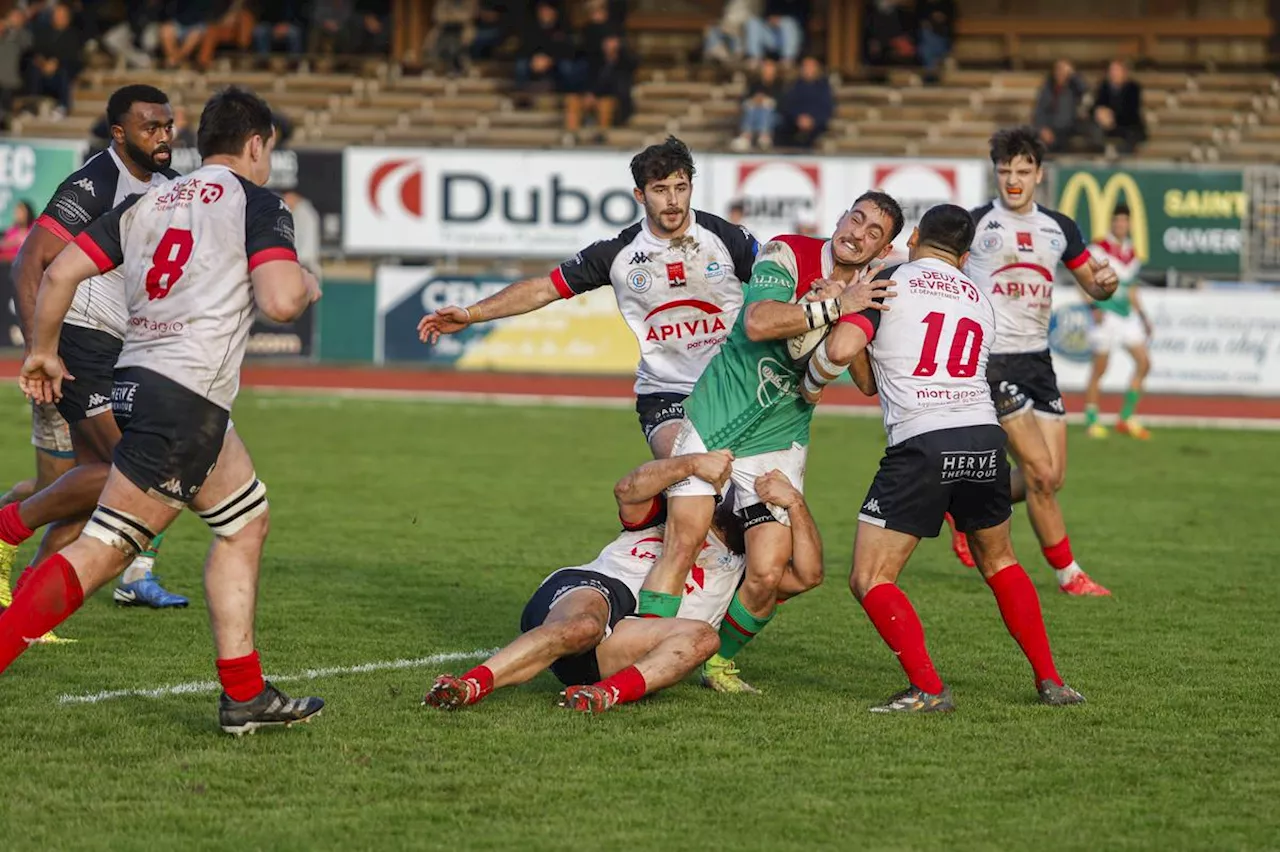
x=241, y=677
x=899, y=626
x=49, y=596
x=1020, y=609
x=627, y=685
x=483, y=676
x=1059, y=555
x=12, y=530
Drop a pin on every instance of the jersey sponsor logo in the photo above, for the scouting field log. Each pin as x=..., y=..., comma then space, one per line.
x=1025, y=241
x=715, y=272
x=776, y=384
x=979, y=466
x=697, y=330
x=639, y=280
x=642, y=552
x=933, y=282
x=639, y=257
x=183, y=192
x=156, y=328
x=675, y=274
x=937, y=396
x=399, y=180
x=991, y=242
x=69, y=210
x=211, y=192
x=87, y=186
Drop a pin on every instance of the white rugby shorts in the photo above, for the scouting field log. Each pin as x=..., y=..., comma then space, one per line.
x=1114, y=330
x=746, y=469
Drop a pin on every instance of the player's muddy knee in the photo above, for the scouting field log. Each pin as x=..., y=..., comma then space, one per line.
x=579, y=633
x=704, y=640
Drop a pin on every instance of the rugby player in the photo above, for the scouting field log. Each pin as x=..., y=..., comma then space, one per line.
x=198, y=254
x=748, y=401
x=677, y=275
x=1120, y=321
x=141, y=121
x=946, y=453
x=579, y=622
x=1016, y=250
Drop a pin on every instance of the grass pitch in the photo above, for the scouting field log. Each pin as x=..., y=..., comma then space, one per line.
x=403, y=530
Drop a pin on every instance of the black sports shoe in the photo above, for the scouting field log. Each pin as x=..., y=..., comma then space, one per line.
x=1058, y=695
x=270, y=707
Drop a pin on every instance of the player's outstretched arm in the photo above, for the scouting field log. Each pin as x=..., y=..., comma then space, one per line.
x=635, y=491
x=38, y=251
x=522, y=297
x=805, y=571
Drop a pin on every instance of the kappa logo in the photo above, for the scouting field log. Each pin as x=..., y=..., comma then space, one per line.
x=994, y=225
x=97, y=399
x=87, y=186
x=402, y=177
x=172, y=486
x=872, y=506
x=639, y=257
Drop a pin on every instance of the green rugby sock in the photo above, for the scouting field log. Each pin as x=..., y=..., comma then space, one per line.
x=155, y=546
x=658, y=604
x=738, y=628
x=1090, y=415
x=1130, y=403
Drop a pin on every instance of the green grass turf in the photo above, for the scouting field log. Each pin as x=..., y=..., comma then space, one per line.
x=402, y=530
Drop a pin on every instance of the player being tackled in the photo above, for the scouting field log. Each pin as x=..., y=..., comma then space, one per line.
x=946, y=453
x=580, y=622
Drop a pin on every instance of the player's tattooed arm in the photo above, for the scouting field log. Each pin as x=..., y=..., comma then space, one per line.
x=637, y=491
x=805, y=570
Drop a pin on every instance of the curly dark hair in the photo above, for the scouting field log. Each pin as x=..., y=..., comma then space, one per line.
x=1011, y=142
x=658, y=161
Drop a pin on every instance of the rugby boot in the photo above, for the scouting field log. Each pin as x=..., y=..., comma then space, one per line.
x=1083, y=586
x=960, y=544
x=1097, y=430
x=270, y=708
x=450, y=693
x=588, y=698
x=1058, y=694
x=147, y=592
x=1133, y=428
x=913, y=700
x=721, y=675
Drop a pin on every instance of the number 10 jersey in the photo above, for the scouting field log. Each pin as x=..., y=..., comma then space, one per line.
x=930, y=350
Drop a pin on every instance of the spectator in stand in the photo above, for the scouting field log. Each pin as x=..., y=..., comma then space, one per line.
x=760, y=109
x=493, y=27
x=55, y=58
x=369, y=27
x=280, y=24
x=449, y=41
x=890, y=34
x=937, y=30
x=15, y=38
x=16, y=232
x=597, y=28
x=134, y=39
x=328, y=17
x=1117, y=108
x=232, y=24
x=608, y=90
x=183, y=28
x=1057, y=112
x=807, y=107
x=725, y=39
x=546, y=60
x=780, y=30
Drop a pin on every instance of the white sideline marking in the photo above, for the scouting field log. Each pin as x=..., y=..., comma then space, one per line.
x=303, y=397
x=201, y=686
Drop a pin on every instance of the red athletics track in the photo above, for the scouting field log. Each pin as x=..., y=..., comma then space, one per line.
x=411, y=380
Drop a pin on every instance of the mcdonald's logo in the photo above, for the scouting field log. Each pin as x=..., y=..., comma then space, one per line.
x=1102, y=201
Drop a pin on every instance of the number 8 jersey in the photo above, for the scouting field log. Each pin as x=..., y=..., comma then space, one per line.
x=186, y=249
x=929, y=353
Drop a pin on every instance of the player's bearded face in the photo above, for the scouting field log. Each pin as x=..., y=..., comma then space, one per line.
x=666, y=203
x=1018, y=179
x=862, y=235
x=148, y=133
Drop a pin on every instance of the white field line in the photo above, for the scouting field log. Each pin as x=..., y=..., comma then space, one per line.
x=204, y=686
x=304, y=397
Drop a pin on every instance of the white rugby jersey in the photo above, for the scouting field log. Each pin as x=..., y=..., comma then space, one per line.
x=1121, y=255
x=708, y=589
x=186, y=249
x=1013, y=260
x=86, y=194
x=680, y=297
x=929, y=352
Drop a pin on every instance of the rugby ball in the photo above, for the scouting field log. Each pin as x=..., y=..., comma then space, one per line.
x=801, y=346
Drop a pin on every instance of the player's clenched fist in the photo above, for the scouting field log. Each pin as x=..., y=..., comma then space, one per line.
x=447, y=320
x=1105, y=278
x=713, y=467
x=774, y=487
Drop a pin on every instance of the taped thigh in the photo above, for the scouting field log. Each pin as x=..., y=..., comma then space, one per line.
x=119, y=529
x=237, y=511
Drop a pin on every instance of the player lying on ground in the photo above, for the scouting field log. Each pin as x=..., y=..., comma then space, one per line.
x=137, y=158
x=1016, y=250
x=677, y=276
x=197, y=255
x=946, y=453
x=748, y=401
x=580, y=624
x=1119, y=321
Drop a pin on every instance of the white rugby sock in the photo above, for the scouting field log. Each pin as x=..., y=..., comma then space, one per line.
x=1066, y=575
